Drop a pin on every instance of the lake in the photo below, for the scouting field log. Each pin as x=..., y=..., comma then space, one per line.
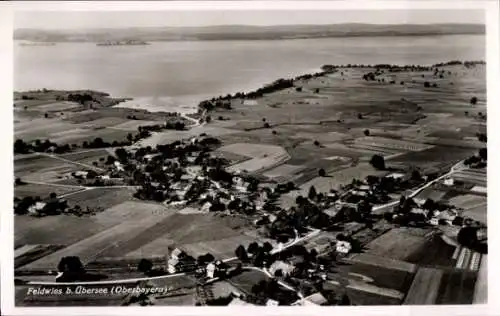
x=175, y=76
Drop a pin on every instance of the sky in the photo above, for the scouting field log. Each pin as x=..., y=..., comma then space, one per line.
x=124, y=19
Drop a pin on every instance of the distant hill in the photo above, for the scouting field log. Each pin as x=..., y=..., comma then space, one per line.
x=244, y=32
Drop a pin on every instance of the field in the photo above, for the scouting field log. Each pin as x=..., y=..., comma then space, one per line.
x=391, y=276
x=94, y=246
x=424, y=288
x=65, y=230
x=102, y=197
x=457, y=287
x=398, y=244
x=42, y=191
x=161, y=138
x=335, y=179
x=474, y=206
x=196, y=233
x=263, y=156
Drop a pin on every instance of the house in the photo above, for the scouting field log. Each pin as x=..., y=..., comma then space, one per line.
x=105, y=177
x=179, y=261
x=343, y=247
x=81, y=174
x=434, y=221
x=332, y=211
x=449, y=181
x=419, y=211
x=271, y=302
x=210, y=270
x=364, y=187
x=119, y=166
x=395, y=175
x=206, y=207
x=286, y=268
x=36, y=208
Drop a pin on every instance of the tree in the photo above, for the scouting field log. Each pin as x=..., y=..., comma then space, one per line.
x=482, y=137
x=70, y=264
x=312, y=193
x=267, y=247
x=266, y=125
x=360, y=116
x=366, y=132
x=415, y=175
x=427, y=84
x=483, y=153
x=322, y=172
x=473, y=101
x=377, y=162
x=316, y=143
x=241, y=253
x=145, y=266
x=52, y=195
x=252, y=248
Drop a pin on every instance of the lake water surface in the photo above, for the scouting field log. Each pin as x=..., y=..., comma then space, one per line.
x=175, y=76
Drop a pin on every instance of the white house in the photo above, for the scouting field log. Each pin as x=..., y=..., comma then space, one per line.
x=285, y=268
x=206, y=207
x=82, y=174
x=118, y=166
x=343, y=247
x=37, y=207
x=271, y=302
x=448, y=181
x=210, y=270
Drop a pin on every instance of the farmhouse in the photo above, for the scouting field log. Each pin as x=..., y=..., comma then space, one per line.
x=343, y=247
x=448, y=181
x=37, y=207
x=179, y=262
x=286, y=268
x=271, y=302
x=210, y=270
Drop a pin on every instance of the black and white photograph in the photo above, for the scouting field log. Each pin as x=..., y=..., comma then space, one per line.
x=248, y=157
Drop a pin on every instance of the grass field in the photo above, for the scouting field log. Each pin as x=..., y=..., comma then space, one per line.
x=383, y=276
x=166, y=137
x=424, y=288
x=42, y=191
x=101, y=197
x=196, y=233
x=457, y=287
x=336, y=179
x=96, y=245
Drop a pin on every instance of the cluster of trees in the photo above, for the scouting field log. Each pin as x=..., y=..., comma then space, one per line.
x=20, y=147
x=377, y=162
x=479, y=160
x=53, y=206
x=73, y=270
x=467, y=237
x=80, y=98
x=270, y=289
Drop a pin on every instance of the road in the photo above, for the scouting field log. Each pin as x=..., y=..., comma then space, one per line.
x=378, y=209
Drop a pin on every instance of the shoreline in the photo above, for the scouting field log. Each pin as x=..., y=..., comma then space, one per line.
x=248, y=93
